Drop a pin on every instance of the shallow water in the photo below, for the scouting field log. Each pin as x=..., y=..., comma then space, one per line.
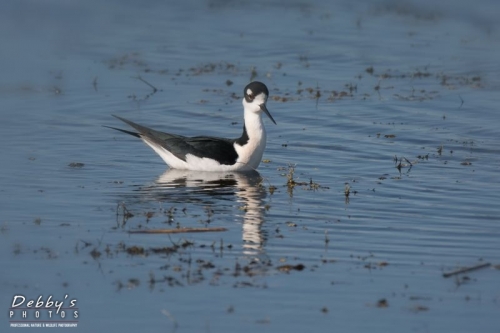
x=356, y=90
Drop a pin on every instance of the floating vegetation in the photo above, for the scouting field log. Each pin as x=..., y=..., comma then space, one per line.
x=76, y=165
x=95, y=254
x=419, y=308
x=135, y=250
x=382, y=303
x=133, y=60
x=271, y=189
x=347, y=190
x=317, y=93
x=149, y=215
x=221, y=67
x=292, y=182
x=288, y=268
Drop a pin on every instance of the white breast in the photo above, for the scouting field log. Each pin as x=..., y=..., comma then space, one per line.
x=251, y=153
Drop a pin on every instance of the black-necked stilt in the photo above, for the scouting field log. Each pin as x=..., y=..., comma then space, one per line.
x=206, y=153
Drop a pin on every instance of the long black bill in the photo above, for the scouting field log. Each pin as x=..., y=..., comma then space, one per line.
x=266, y=111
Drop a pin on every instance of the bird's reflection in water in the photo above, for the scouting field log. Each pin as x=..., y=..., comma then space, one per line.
x=225, y=190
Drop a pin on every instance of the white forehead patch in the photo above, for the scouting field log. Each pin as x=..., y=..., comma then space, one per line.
x=249, y=91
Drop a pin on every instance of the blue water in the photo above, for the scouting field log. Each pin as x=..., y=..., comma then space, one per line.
x=353, y=86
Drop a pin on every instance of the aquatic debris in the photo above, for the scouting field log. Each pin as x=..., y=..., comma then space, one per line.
x=347, y=190
x=167, y=314
x=133, y=59
x=95, y=253
x=138, y=77
x=382, y=303
x=94, y=84
x=152, y=280
x=125, y=213
x=155, y=90
x=466, y=269
x=4, y=228
x=221, y=67
x=149, y=215
x=271, y=189
x=423, y=157
x=253, y=74
x=76, y=165
x=315, y=186
x=177, y=231
x=290, y=181
x=133, y=283
x=400, y=165
x=165, y=249
x=288, y=268
x=135, y=250
x=56, y=90
x=419, y=308
x=263, y=321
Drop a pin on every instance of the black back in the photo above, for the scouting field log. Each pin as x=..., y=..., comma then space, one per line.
x=219, y=149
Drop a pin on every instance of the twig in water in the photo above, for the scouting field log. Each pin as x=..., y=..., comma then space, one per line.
x=126, y=214
x=171, y=318
x=408, y=161
x=138, y=77
x=253, y=74
x=466, y=269
x=347, y=190
x=176, y=231
x=377, y=89
x=317, y=95
x=401, y=165
x=94, y=84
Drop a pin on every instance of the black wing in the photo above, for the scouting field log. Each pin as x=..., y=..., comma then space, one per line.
x=219, y=149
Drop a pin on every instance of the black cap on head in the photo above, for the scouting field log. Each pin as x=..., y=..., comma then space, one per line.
x=253, y=89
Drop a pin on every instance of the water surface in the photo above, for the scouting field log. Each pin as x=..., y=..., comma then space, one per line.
x=356, y=89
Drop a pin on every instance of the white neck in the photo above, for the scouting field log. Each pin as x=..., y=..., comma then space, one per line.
x=254, y=126
x=251, y=153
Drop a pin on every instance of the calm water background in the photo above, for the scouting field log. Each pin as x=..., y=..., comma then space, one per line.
x=353, y=85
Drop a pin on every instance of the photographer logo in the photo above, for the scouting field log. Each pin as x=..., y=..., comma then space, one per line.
x=43, y=311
